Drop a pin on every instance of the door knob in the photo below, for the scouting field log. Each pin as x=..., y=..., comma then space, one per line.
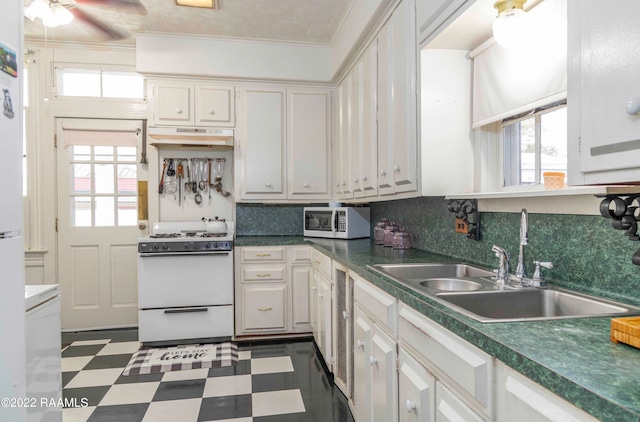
x=633, y=105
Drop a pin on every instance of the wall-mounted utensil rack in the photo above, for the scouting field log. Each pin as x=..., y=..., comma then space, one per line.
x=192, y=176
x=467, y=217
x=624, y=212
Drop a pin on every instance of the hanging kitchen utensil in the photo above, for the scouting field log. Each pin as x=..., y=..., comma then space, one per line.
x=170, y=170
x=202, y=183
x=194, y=170
x=187, y=184
x=161, y=187
x=198, y=197
x=180, y=176
x=209, y=178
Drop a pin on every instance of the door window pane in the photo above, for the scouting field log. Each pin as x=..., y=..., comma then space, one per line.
x=127, y=211
x=81, y=182
x=81, y=152
x=127, y=181
x=127, y=154
x=81, y=211
x=105, y=215
x=103, y=153
x=104, y=178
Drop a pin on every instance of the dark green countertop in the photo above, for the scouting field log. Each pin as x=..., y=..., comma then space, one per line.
x=574, y=358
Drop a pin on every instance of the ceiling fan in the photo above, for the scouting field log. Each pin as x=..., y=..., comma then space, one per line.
x=61, y=12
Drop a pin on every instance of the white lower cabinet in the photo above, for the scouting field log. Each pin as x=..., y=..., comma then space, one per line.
x=449, y=407
x=321, y=308
x=519, y=398
x=272, y=289
x=263, y=308
x=416, y=390
x=465, y=369
x=375, y=375
x=375, y=358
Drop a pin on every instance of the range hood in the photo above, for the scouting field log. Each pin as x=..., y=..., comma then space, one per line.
x=189, y=137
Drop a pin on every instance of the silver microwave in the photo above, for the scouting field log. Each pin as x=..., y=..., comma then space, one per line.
x=337, y=222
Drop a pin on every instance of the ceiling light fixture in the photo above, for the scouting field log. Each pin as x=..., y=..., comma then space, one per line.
x=51, y=12
x=207, y=4
x=511, y=27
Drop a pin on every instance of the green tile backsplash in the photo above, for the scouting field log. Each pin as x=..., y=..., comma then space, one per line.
x=587, y=253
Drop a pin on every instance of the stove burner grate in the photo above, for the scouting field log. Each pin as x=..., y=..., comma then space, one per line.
x=165, y=235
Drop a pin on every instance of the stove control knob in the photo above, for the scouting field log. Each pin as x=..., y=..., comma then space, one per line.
x=207, y=246
x=187, y=246
x=156, y=246
x=165, y=246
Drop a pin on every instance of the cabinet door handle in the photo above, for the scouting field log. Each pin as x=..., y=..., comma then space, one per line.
x=396, y=168
x=268, y=184
x=383, y=173
x=633, y=106
x=264, y=309
x=372, y=360
x=320, y=296
x=179, y=110
x=355, y=180
x=306, y=185
x=263, y=275
x=364, y=178
x=314, y=289
x=410, y=406
x=263, y=254
x=360, y=344
x=345, y=314
x=211, y=112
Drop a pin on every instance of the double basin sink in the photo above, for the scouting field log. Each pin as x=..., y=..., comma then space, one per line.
x=473, y=292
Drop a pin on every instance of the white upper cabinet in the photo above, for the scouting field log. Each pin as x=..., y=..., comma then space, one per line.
x=191, y=104
x=604, y=131
x=260, y=143
x=171, y=103
x=283, y=144
x=343, y=148
x=308, y=144
x=214, y=105
x=431, y=14
x=397, y=109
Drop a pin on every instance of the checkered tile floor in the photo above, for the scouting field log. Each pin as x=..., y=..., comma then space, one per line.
x=272, y=382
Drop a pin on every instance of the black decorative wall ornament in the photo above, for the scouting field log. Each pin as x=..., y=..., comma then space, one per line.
x=624, y=212
x=467, y=217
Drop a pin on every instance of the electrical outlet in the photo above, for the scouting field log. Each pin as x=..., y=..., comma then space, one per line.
x=462, y=226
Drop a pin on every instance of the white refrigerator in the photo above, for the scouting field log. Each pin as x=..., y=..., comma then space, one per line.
x=12, y=312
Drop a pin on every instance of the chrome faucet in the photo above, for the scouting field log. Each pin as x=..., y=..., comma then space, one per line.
x=502, y=273
x=521, y=269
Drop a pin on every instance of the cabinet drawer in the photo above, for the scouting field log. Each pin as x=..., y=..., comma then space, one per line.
x=262, y=273
x=185, y=323
x=468, y=367
x=261, y=254
x=450, y=408
x=379, y=304
x=321, y=263
x=263, y=308
x=300, y=254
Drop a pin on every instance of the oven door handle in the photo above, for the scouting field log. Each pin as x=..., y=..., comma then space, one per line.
x=185, y=311
x=152, y=254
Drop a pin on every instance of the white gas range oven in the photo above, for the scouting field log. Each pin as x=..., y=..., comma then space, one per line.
x=185, y=284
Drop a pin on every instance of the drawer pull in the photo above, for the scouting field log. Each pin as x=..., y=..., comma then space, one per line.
x=372, y=361
x=264, y=309
x=345, y=314
x=263, y=254
x=263, y=275
x=360, y=344
x=185, y=311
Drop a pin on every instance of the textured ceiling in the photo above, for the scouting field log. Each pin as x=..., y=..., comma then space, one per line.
x=307, y=21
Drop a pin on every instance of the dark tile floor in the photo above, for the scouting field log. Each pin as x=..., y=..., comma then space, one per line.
x=273, y=382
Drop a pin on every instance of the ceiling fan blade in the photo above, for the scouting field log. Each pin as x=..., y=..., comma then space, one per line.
x=128, y=6
x=109, y=33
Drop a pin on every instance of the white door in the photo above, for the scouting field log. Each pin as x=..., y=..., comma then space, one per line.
x=416, y=391
x=384, y=378
x=361, y=372
x=97, y=219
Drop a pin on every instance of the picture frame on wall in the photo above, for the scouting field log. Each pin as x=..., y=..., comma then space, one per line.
x=8, y=60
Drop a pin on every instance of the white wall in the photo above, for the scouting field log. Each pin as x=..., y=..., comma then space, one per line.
x=208, y=57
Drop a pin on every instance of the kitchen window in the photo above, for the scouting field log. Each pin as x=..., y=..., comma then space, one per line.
x=534, y=143
x=98, y=82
